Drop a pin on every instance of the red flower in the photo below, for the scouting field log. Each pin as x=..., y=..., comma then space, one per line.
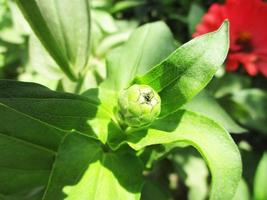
x=248, y=33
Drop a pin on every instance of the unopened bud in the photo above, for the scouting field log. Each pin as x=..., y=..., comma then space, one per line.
x=138, y=105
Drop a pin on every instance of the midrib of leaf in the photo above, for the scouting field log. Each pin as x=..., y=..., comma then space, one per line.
x=55, y=99
x=56, y=52
x=25, y=170
x=138, y=79
x=100, y=172
x=28, y=143
x=188, y=44
x=117, y=188
x=47, y=98
x=54, y=164
x=62, y=31
x=87, y=41
x=35, y=119
x=89, y=161
x=59, y=99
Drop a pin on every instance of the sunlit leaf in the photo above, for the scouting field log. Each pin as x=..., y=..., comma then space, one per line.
x=260, y=181
x=212, y=141
x=94, y=174
x=188, y=69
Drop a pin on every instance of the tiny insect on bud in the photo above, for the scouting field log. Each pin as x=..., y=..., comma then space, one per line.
x=138, y=105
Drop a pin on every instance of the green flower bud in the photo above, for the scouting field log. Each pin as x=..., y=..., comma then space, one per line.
x=138, y=105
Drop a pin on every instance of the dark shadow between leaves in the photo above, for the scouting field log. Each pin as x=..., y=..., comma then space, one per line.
x=167, y=124
x=126, y=168
x=116, y=136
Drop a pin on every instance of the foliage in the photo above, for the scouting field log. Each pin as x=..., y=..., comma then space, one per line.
x=65, y=140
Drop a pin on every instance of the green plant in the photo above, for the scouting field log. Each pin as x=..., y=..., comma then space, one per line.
x=66, y=146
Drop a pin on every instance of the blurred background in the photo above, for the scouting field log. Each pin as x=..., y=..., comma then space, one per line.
x=236, y=97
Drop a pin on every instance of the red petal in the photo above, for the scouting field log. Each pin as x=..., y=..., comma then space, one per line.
x=231, y=65
x=251, y=68
x=262, y=66
x=211, y=20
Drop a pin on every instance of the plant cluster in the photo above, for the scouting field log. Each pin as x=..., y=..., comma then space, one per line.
x=108, y=105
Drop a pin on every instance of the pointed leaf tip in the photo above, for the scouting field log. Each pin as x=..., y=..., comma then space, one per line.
x=186, y=71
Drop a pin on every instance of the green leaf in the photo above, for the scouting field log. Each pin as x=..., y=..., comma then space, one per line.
x=28, y=144
x=34, y=120
x=56, y=24
x=195, y=14
x=188, y=69
x=124, y=5
x=249, y=107
x=105, y=21
x=34, y=194
x=147, y=46
x=228, y=84
x=27, y=148
x=41, y=61
x=110, y=42
x=207, y=105
x=260, y=181
x=153, y=190
x=85, y=171
x=242, y=191
x=193, y=171
x=63, y=110
x=212, y=141
x=105, y=124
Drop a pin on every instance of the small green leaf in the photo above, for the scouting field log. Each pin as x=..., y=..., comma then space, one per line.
x=188, y=69
x=105, y=21
x=195, y=14
x=207, y=105
x=249, y=107
x=124, y=5
x=56, y=25
x=228, y=84
x=147, y=46
x=212, y=141
x=260, y=181
x=193, y=171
